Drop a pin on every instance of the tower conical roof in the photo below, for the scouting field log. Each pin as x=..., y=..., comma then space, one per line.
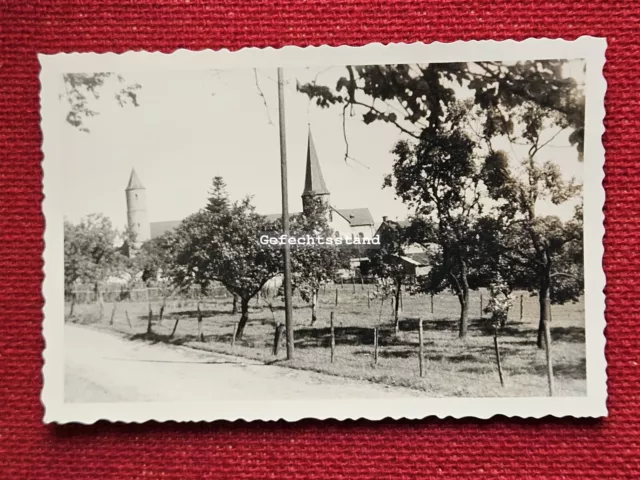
x=313, y=182
x=134, y=181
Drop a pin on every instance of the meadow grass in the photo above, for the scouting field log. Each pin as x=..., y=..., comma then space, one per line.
x=453, y=367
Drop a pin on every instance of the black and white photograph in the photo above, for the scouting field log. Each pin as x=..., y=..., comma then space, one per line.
x=369, y=232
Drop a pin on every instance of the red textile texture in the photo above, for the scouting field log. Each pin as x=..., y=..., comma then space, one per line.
x=497, y=448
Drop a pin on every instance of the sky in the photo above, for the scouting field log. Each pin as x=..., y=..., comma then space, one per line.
x=192, y=126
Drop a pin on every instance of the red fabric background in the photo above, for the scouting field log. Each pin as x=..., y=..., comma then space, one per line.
x=498, y=448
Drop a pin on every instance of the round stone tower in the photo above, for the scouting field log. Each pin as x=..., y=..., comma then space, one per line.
x=137, y=218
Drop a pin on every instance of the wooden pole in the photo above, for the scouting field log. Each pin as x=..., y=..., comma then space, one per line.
x=336, y=296
x=149, y=320
x=353, y=284
x=126, y=313
x=432, y=303
x=175, y=327
x=368, y=299
x=481, y=305
x=333, y=340
x=233, y=336
x=113, y=313
x=375, y=346
x=288, y=304
x=421, y=347
x=521, y=309
x=200, y=332
x=401, y=301
x=497, y=349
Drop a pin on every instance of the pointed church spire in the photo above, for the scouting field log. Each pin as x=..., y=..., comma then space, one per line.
x=134, y=181
x=313, y=182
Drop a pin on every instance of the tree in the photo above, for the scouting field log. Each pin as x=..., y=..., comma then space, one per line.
x=386, y=264
x=90, y=253
x=539, y=244
x=221, y=244
x=415, y=97
x=312, y=266
x=80, y=88
x=154, y=257
x=439, y=178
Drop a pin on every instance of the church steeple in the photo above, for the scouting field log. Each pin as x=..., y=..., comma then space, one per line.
x=137, y=218
x=314, y=186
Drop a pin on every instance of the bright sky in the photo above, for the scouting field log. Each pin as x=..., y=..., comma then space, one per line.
x=192, y=126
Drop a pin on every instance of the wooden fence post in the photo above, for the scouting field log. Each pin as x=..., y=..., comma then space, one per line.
x=375, y=346
x=333, y=340
x=368, y=299
x=164, y=304
x=277, y=335
x=200, y=332
x=521, y=309
x=547, y=342
x=481, y=305
x=235, y=332
x=149, y=320
x=113, y=313
x=420, y=347
x=175, y=326
x=497, y=349
x=353, y=284
x=126, y=313
x=336, y=296
x=432, y=303
x=401, y=301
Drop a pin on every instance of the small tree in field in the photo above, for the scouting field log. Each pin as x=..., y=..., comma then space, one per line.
x=221, y=243
x=387, y=267
x=544, y=246
x=90, y=253
x=440, y=179
x=312, y=266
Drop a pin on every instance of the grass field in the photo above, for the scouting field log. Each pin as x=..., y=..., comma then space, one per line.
x=453, y=367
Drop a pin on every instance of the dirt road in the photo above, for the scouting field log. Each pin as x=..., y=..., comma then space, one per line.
x=101, y=367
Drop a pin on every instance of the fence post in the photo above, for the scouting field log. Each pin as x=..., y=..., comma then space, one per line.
x=336, y=296
x=375, y=346
x=175, y=326
x=333, y=339
x=547, y=342
x=276, y=339
x=126, y=313
x=353, y=284
x=497, y=349
x=521, y=309
x=149, y=320
x=164, y=304
x=368, y=299
x=432, y=303
x=421, y=347
x=481, y=305
x=200, y=332
x=235, y=332
x=113, y=313
x=401, y=301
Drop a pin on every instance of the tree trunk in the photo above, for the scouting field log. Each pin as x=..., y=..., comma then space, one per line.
x=234, y=309
x=543, y=299
x=244, y=316
x=314, y=307
x=99, y=299
x=397, y=307
x=464, y=314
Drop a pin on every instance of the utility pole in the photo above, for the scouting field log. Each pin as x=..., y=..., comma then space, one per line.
x=288, y=305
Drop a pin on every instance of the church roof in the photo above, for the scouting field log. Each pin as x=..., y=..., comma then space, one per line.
x=356, y=216
x=313, y=181
x=134, y=181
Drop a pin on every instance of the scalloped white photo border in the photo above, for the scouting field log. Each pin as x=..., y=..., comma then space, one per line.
x=592, y=405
